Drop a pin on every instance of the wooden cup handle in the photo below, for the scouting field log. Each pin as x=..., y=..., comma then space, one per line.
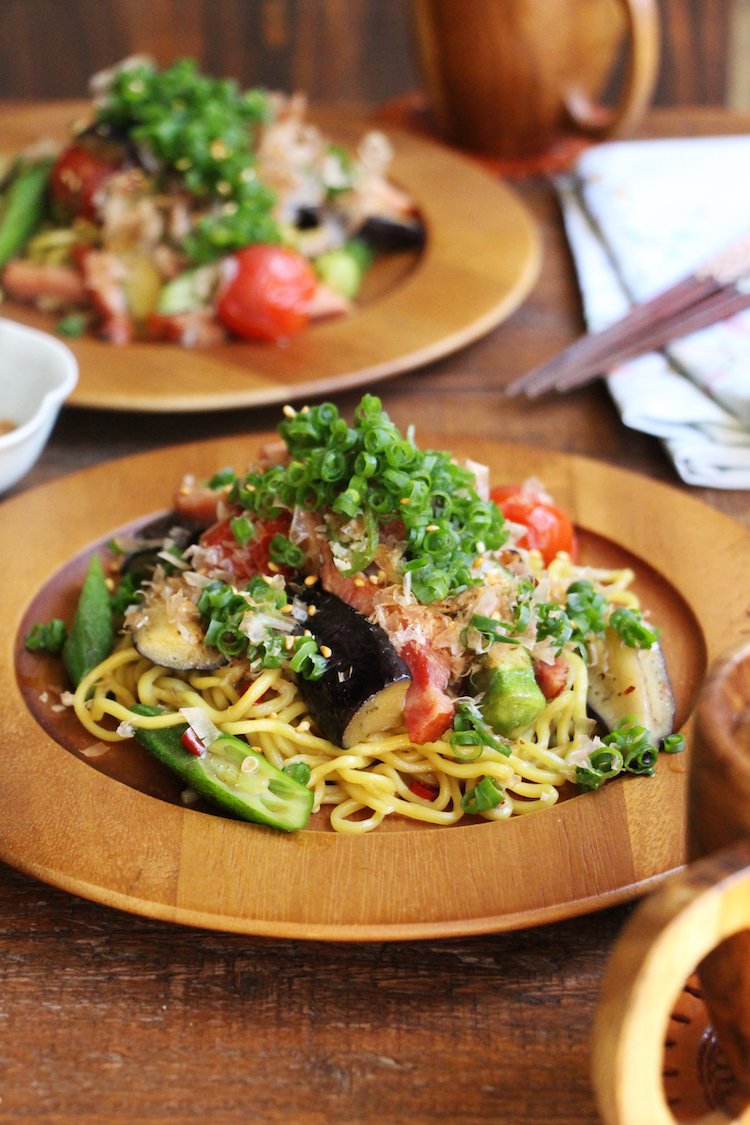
x=640, y=79
x=670, y=933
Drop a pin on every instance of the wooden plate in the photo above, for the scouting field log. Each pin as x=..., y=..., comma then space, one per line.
x=119, y=842
x=482, y=258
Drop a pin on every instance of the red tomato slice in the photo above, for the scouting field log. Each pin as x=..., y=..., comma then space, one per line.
x=550, y=530
x=419, y=789
x=270, y=294
x=253, y=558
x=75, y=179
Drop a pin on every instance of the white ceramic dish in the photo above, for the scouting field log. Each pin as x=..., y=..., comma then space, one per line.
x=37, y=373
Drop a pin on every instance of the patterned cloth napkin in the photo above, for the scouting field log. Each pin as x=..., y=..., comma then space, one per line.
x=639, y=216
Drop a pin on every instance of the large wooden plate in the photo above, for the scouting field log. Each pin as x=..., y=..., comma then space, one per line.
x=106, y=839
x=481, y=259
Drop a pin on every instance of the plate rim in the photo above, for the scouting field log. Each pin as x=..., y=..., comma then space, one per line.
x=497, y=291
x=24, y=847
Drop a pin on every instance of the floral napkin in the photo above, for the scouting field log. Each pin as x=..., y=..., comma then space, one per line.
x=639, y=216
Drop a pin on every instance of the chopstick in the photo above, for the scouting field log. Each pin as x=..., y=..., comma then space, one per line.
x=717, y=290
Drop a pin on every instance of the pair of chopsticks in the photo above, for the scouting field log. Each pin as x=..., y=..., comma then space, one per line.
x=717, y=290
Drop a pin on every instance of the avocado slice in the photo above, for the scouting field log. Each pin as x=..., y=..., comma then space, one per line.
x=512, y=697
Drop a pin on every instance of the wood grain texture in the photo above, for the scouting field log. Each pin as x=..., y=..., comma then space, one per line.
x=355, y=50
x=480, y=260
x=107, y=1018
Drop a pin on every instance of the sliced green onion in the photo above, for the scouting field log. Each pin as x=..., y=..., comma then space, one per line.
x=243, y=529
x=48, y=637
x=488, y=794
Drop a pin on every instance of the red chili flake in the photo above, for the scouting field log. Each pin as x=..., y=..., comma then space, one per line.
x=419, y=789
x=192, y=743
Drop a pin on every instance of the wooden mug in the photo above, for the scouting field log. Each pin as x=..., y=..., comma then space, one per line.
x=510, y=78
x=719, y=822
x=701, y=917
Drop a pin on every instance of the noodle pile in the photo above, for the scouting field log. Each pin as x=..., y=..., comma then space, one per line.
x=370, y=781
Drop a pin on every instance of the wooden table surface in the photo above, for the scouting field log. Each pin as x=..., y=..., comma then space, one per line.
x=108, y=1018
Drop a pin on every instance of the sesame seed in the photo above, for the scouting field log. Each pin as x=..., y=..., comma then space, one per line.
x=381, y=575
x=312, y=610
x=289, y=643
x=305, y=410
x=250, y=488
x=287, y=608
x=219, y=150
x=274, y=715
x=374, y=579
x=303, y=726
x=268, y=581
x=432, y=527
x=273, y=568
x=359, y=581
x=109, y=583
x=477, y=562
x=495, y=616
x=307, y=633
x=404, y=500
x=325, y=651
x=311, y=579
x=224, y=188
x=289, y=411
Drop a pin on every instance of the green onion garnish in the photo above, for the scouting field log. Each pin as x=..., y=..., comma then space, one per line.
x=49, y=637
x=488, y=794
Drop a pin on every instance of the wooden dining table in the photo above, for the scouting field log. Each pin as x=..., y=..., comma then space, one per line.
x=106, y=1017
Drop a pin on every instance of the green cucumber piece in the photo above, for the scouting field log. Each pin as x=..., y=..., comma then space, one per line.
x=91, y=638
x=190, y=290
x=24, y=208
x=341, y=270
x=267, y=796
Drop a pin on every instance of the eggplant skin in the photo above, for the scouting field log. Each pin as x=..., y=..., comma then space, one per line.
x=142, y=560
x=363, y=687
x=630, y=681
x=389, y=236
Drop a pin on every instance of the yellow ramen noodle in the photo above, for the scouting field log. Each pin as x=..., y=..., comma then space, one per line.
x=371, y=780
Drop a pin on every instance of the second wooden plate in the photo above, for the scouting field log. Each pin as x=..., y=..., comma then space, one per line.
x=481, y=259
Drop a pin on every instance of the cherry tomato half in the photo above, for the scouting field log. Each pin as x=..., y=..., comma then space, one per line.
x=253, y=558
x=75, y=179
x=270, y=294
x=550, y=530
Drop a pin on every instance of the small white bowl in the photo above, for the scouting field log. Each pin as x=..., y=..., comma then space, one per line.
x=37, y=373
